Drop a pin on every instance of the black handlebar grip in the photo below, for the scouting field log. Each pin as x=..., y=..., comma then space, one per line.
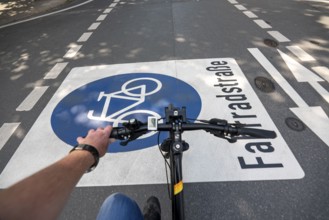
x=257, y=133
x=119, y=133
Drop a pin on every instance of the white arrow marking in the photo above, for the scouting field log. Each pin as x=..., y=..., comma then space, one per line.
x=301, y=73
x=316, y=119
x=300, y=53
x=277, y=77
x=322, y=91
x=322, y=71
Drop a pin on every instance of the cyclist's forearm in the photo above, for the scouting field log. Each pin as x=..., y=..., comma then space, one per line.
x=44, y=194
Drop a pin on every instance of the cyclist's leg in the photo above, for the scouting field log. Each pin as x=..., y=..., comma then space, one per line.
x=119, y=207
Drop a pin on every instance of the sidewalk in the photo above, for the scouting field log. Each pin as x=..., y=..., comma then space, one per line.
x=17, y=10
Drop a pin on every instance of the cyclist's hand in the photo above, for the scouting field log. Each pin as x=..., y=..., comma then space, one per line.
x=98, y=138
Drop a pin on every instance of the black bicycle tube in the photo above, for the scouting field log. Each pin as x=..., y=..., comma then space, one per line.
x=177, y=186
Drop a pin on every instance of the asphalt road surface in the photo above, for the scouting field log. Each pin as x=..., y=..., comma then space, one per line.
x=264, y=62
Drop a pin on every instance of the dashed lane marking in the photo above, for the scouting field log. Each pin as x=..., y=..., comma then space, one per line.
x=233, y=1
x=250, y=14
x=94, y=26
x=300, y=53
x=101, y=18
x=72, y=51
x=113, y=5
x=32, y=98
x=6, y=131
x=278, y=36
x=108, y=10
x=84, y=37
x=261, y=23
x=240, y=7
x=56, y=70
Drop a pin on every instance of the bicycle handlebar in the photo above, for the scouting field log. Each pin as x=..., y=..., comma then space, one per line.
x=122, y=133
x=176, y=121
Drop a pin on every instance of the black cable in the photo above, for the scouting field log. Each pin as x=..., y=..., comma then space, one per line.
x=166, y=164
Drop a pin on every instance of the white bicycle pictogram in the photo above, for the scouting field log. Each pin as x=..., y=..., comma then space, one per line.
x=126, y=93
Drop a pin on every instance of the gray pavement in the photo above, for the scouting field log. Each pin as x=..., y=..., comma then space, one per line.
x=156, y=30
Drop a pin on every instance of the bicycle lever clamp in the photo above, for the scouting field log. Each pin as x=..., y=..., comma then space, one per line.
x=132, y=125
x=223, y=134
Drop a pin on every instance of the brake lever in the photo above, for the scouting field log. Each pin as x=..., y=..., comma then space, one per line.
x=230, y=139
x=223, y=135
x=132, y=137
x=132, y=125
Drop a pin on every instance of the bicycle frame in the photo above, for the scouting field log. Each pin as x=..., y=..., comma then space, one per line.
x=177, y=192
x=175, y=146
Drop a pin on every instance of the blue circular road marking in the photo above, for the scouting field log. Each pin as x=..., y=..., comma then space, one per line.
x=112, y=100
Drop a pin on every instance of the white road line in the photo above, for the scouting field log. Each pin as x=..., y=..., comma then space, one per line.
x=316, y=119
x=116, y=1
x=240, y=7
x=94, y=26
x=45, y=15
x=278, y=36
x=72, y=51
x=113, y=5
x=261, y=23
x=108, y=10
x=301, y=73
x=32, y=98
x=6, y=131
x=322, y=91
x=55, y=71
x=322, y=1
x=101, y=18
x=277, y=77
x=233, y=1
x=250, y=14
x=300, y=53
x=85, y=36
x=322, y=71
